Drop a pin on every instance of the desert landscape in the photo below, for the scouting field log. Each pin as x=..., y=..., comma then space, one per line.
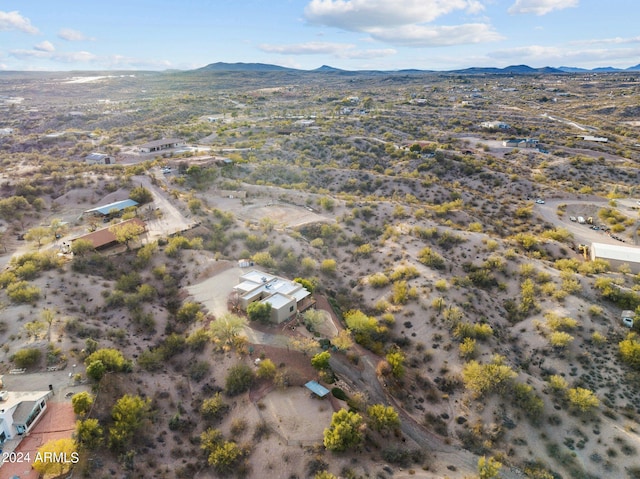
x=450, y=300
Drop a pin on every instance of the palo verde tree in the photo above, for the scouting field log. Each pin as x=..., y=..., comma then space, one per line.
x=47, y=462
x=127, y=231
x=129, y=415
x=382, y=418
x=345, y=432
x=82, y=403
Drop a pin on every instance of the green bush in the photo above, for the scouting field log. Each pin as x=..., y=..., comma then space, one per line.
x=239, y=379
x=27, y=357
x=23, y=292
x=339, y=394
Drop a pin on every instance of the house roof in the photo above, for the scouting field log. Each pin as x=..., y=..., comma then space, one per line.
x=117, y=205
x=22, y=412
x=628, y=254
x=317, y=389
x=16, y=398
x=163, y=141
x=104, y=237
x=257, y=276
x=278, y=300
x=96, y=156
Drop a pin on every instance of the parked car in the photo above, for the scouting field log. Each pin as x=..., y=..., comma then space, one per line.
x=573, y=218
x=540, y=201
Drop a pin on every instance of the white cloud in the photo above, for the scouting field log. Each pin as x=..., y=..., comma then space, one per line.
x=403, y=22
x=310, y=48
x=436, y=36
x=338, y=50
x=62, y=57
x=608, y=41
x=73, y=35
x=540, y=7
x=45, y=46
x=15, y=21
x=121, y=61
x=556, y=56
x=360, y=15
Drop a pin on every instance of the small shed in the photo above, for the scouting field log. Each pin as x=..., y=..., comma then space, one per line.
x=317, y=388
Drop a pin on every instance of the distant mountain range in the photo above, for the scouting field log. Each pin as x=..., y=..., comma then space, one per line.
x=512, y=70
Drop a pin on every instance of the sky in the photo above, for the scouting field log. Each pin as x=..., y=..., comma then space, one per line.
x=436, y=35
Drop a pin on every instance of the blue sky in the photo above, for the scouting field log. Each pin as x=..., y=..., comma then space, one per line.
x=348, y=34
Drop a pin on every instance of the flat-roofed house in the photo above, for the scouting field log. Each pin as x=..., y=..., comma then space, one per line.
x=99, y=159
x=19, y=412
x=617, y=255
x=285, y=297
x=160, y=145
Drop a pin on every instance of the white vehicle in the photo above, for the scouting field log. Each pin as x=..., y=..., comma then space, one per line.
x=581, y=220
x=573, y=218
x=540, y=201
x=627, y=318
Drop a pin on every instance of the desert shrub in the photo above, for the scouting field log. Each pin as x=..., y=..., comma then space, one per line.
x=328, y=266
x=189, y=312
x=629, y=350
x=239, y=379
x=430, y=258
x=26, y=357
x=403, y=457
x=111, y=359
x=582, y=399
x=560, y=339
x=264, y=258
x=260, y=312
x=483, y=379
x=525, y=397
x=177, y=243
x=199, y=370
x=214, y=408
x=404, y=272
x=23, y=292
x=467, y=348
x=339, y=394
x=378, y=280
x=141, y=195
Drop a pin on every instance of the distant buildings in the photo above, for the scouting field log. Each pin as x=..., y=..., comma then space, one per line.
x=495, y=125
x=598, y=139
x=521, y=143
x=99, y=159
x=161, y=145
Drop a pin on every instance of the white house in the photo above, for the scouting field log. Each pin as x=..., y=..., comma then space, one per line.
x=521, y=143
x=286, y=297
x=617, y=255
x=494, y=125
x=99, y=159
x=160, y=145
x=19, y=412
